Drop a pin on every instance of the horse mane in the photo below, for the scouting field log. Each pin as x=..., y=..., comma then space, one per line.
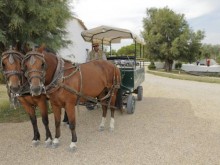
x=43, y=48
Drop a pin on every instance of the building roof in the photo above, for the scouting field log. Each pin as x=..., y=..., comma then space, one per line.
x=80, y=22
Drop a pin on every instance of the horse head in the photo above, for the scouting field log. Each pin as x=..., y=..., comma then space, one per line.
x=35, y=69
x=11, y=66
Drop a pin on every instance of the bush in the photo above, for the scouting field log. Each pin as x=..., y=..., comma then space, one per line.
x=178, y=65
x=151, y=66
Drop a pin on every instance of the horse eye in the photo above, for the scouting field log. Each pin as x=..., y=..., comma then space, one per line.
x=42, y=65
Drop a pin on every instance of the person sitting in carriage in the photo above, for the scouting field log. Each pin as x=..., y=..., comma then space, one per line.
x=96, y=53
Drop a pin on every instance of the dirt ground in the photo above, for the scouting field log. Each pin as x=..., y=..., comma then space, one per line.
x=177, y=122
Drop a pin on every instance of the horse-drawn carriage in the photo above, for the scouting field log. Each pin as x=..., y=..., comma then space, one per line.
x=132, y=71
x=67, y=84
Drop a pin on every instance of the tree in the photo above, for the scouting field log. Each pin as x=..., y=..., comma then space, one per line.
x=113, y=52
x=129, y=50
x=211, y=51
x=34, y=21
x=168, y=37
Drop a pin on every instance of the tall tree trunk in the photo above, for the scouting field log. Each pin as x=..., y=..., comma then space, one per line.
x=168, y=65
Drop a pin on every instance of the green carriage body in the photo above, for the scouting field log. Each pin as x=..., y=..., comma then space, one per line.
x=131, y=78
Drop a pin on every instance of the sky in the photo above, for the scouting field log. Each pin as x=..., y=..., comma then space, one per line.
x=128, y=14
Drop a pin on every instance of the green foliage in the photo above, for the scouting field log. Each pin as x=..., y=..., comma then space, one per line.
x=151, y=66
x=127, y=50
x=218, y=59
x=114, y=52
x=210, y=51
x=34, y=21
x=130, y=50
x=178, y=65
x=168, y=36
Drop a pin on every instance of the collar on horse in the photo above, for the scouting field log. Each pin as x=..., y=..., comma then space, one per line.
x=58, y=76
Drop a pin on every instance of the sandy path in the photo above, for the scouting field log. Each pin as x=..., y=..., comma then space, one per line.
x=177, y=122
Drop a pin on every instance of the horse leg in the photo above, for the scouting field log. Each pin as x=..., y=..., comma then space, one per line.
x=43, y=106
x=104, y=110
x=112, y=121
x=65, y=118
x=104, y=113
x=70, y=110
x=57, y=118
x=31, y=112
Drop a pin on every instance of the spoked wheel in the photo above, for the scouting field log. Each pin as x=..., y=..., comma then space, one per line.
x=130, y=104
x=139, y=93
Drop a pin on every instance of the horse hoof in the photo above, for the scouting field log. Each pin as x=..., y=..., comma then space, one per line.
x=111, y=129
x=101, y=128
x=55, y=145
x=72, y=147
x=48, y=143
x=35, y=143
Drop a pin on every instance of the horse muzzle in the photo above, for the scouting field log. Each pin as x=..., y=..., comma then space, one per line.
x=15, y=89
x=36, y=90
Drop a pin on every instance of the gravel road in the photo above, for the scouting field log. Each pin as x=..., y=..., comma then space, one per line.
x=177, y=122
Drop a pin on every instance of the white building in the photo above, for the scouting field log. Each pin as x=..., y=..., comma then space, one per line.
x=77, y=51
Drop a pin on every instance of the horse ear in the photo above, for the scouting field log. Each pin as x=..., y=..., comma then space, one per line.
x=26, y=48
x=41, y=48
x=17, y=46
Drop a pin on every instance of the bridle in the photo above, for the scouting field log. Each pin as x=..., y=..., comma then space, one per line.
x=11, y=54
x=32, y=55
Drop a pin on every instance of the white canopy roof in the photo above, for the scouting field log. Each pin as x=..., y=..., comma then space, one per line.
x=108, y=35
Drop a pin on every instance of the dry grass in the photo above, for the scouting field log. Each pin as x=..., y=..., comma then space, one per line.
x=184, y=76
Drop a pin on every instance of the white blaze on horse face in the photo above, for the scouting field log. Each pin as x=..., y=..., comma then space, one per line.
x=11, y=59
x=32, y=60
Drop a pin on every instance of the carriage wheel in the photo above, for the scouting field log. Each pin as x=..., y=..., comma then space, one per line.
x=130, y=104
x=139, y=93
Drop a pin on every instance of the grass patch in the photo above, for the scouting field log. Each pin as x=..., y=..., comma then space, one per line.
x=175, y=74
x=8, y=113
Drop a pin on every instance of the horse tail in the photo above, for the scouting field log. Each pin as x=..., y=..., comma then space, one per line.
x=119, y=101
x=118, y=76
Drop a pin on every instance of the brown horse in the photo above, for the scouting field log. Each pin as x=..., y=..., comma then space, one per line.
x=67, y=84
x=18, y=87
